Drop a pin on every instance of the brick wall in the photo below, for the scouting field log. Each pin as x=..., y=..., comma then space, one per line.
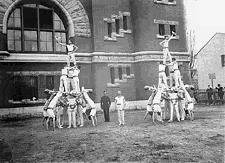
x=104, y=9
x=144, y=12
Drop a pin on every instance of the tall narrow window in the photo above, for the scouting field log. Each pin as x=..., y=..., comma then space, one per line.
x=172, y=29
x=120, y=72
x=50, y=82
x=112, y=75
x=125, y=26
x=117, y=23
x=109, y=29
x=223, y=60
x=128, y=70
x=33, y=27
x=161, y=29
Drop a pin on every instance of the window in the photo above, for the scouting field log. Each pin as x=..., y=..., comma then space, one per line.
x=26, y=87
x=109, y=29
x=223, y=60
x=128, y=70
x=117, y=23
x=171, y=1
x=161, y=29
x=172, y=29
x=112, y=75
x=33, y=27
x=50, y=82
x=120, y=73
x=125, y=26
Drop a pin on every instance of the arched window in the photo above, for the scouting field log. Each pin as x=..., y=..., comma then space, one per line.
x=33, y=27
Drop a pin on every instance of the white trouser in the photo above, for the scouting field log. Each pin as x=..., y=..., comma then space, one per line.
x=174, y=105
x=177, y=78
x=121, y=116
x=89, y=100
x=71, y=56
x=171, y=79
x=72, y=116
x=64, y=83
x=190, y=106
x=54, y=101
x=162, y=78
x=166, y=54
x=80, y=115
x=71, y=82
x=76, y=86
x=181, y=104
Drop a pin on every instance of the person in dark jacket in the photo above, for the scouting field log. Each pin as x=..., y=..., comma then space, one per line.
x=105, y=105
x=209, y=91
x=220, y=93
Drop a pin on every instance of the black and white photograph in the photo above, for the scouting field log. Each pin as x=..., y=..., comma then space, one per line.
x=112, y=81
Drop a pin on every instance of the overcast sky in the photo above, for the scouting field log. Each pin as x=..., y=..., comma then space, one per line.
x=206, y=17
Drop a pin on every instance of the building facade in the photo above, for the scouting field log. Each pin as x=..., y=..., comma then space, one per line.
x=118, y=44
x=211, y=62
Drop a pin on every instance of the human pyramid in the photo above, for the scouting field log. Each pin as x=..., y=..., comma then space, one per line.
x=75, y=102
x=173, y=96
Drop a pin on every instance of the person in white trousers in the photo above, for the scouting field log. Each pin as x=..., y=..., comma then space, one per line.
x=165, y=45
x=120, y=105
x=71, y=49
x=176, y=75
x=76, y=80
x=162, y=75
x=64, y=85
x=91, y=105
x=173, y=104
x=72, y=111
x=189, y=103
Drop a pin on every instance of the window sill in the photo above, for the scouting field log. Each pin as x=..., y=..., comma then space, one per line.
x=131, y=76
x=163, y=37
x=126, y=31
x=107, y=38
x=113, y=85
x=165, y=2
x=120, y=34
x=120, y=81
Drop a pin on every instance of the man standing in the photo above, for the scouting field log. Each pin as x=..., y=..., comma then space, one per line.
x=165, y=45
x=120, y=105
x=209, y=91
x=176, y=71
x=220, y=93
x=162, y=74
x=105, y=105
x=71, y=49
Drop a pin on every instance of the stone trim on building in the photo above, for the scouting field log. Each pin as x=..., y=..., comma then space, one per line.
x=166, y=2
x=96, y=57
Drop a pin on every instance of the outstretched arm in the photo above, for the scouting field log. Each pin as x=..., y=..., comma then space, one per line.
x=75, y=48
x=171, y=36
x=57, y=40
x=161, y=43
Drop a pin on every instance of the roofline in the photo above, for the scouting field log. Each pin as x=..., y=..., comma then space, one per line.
x=208, y=42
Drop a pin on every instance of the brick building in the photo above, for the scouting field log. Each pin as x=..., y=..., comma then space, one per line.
x=118, y=44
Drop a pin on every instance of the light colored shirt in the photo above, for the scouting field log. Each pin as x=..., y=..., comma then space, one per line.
x=175, y=66
x=70, y=47
x=120, y=102
x=162, y=67
x=165, y=44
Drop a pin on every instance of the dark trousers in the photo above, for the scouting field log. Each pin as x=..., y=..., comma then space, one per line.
x=210, y=99
x=106, y=113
